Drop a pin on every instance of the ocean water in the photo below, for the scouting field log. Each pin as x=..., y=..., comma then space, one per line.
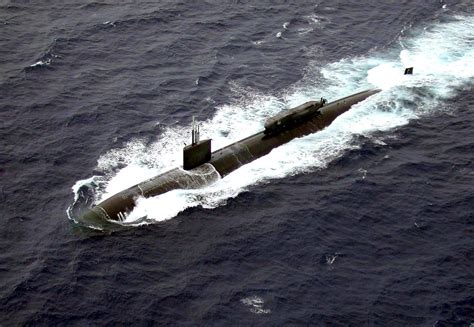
x=367, y=223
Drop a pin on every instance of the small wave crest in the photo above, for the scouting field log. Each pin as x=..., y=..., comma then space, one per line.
x=47, y=58
x=255, y=305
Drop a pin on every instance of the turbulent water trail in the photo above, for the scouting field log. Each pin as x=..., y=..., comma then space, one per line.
x=443, y=57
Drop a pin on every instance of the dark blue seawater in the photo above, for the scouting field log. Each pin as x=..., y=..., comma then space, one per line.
x=368, y=223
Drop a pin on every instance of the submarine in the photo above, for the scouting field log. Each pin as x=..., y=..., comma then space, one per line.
x=202, y=166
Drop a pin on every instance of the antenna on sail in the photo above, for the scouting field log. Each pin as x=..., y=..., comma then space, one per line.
x=198, y=133
x=195, y=132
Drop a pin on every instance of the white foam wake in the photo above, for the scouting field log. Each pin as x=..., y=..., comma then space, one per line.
x=443, y=57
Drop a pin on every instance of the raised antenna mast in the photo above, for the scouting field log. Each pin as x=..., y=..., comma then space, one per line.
x=198, y=133
x=195, y=132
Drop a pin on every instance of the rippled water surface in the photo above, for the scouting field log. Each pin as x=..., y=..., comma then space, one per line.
x=369, y=222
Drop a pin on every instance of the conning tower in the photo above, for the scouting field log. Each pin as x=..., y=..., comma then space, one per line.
x=198, y=152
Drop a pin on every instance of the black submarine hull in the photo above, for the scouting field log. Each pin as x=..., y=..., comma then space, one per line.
x=221, y=163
